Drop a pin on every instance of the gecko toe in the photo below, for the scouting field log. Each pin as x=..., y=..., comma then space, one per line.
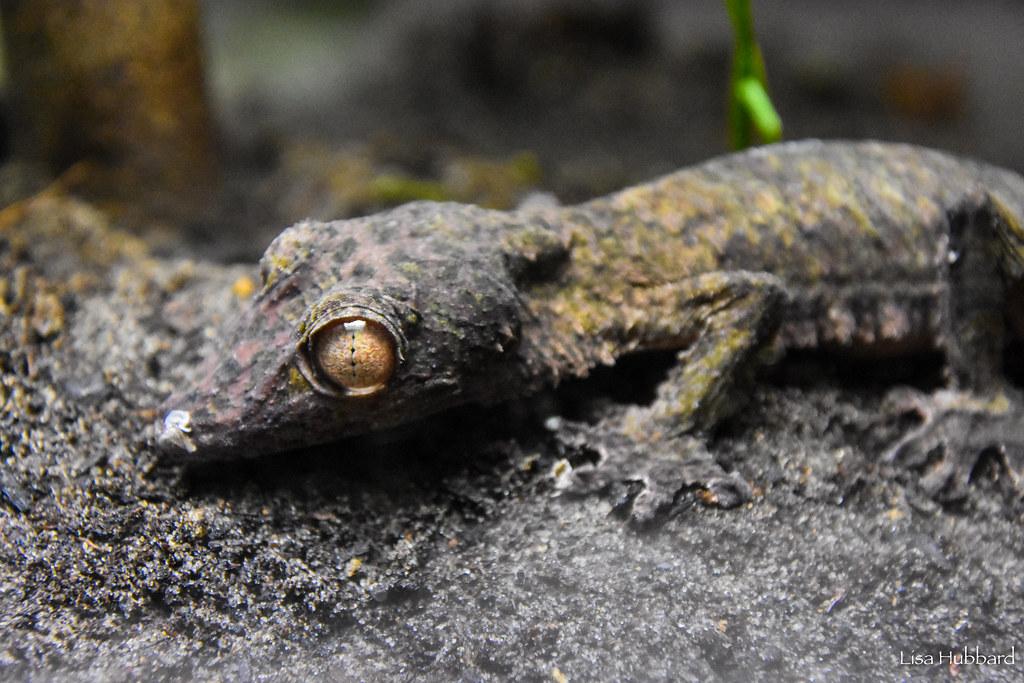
x=645, y=479
x=956, y=432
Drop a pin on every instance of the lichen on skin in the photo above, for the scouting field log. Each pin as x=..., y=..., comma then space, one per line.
x=297, y=384
x=409, y=268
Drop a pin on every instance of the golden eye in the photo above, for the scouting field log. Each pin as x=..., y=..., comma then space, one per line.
x=348, y=344
x=356, y=354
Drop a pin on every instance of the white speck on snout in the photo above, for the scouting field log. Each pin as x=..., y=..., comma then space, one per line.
x=178, y=419
x=561, y=472
x=553, y=423
x=177, y=427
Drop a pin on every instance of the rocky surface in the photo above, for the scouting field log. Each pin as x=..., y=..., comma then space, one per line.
x=446, y=551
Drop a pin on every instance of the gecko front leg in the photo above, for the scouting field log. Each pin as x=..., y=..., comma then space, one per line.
x=733, y=318
x=728, y=321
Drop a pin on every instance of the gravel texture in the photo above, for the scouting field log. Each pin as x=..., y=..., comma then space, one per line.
x=445, y=552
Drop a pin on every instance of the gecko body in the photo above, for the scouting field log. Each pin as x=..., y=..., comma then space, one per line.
x=858, y=248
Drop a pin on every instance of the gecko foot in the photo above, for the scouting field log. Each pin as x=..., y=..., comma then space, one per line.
x=956, y=432
x=645, y=479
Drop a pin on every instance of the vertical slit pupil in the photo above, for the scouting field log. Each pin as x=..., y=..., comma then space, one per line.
x=353, y=354
x=357, y=355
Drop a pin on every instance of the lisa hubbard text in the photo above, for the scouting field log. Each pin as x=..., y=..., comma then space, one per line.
x=965, y=656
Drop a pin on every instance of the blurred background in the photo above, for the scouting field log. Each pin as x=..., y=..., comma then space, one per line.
x=332, y=109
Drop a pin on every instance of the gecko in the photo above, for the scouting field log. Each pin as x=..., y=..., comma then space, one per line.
x=859, y=248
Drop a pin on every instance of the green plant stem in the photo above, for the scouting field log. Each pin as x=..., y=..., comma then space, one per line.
x=750, y=108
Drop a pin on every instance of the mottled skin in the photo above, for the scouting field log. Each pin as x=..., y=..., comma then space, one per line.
x=863, y=248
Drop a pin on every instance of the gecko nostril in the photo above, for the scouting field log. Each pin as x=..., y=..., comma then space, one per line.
x=357, y=355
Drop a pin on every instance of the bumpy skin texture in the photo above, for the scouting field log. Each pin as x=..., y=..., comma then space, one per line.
x=860, y=247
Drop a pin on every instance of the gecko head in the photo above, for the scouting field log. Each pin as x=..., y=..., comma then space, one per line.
x=359, y=325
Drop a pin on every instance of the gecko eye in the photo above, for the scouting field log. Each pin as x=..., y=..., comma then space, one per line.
x=349, y=344
x=357, y=355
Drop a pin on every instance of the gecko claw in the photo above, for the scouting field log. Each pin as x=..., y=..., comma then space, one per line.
x=648, y=477
x=956, y=428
